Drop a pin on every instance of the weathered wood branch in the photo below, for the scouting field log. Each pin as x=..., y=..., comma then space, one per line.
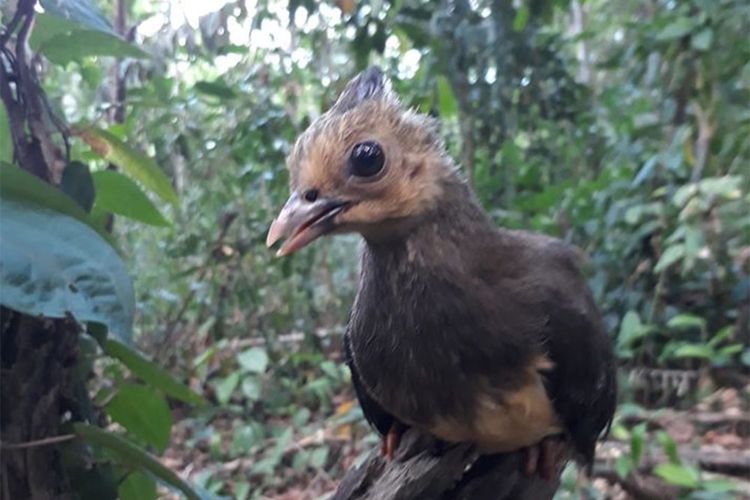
x=426, y=469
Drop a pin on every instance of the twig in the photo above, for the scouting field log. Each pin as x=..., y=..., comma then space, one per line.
x=38, y=442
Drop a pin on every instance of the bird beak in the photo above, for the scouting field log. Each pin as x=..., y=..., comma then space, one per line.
x=302, y=222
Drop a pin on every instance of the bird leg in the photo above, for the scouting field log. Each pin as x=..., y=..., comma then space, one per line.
x=545, y=457
x=390, y=441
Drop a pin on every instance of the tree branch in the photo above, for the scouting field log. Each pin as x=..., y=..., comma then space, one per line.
x=426, y=469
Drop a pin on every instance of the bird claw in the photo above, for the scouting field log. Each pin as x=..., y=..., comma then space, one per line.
x=391, y=440
x=545, y=458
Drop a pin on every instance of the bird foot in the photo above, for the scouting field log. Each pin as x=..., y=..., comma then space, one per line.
x=390, y=441
x=545, y=457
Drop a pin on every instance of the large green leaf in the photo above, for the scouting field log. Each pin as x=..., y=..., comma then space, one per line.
x=142, y=411
x=53, y=265
x=117, y=194
x=136, y=164
x=47, y=26
x=17, y=184
x=82, y=12
x=151, y=373
x=74, y=46
x=63, y=39
x=6, y=141
x=132, y=455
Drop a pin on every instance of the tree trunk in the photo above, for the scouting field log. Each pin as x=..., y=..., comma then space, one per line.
x=37, y=357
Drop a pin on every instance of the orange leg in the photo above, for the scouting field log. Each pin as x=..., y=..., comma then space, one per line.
x=390, y=441
x=545, y=458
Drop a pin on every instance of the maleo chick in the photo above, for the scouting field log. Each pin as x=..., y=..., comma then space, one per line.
x=459, y=328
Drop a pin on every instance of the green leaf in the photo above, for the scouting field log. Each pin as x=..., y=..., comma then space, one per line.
x=703, y=40
x=730, y=350
x=687, y=322
x=117, y=194
x=226, y=387
x=253, y=360
x=623, y=466
x=669, y=446
x=137, y=486
x=63, y=35
x=301, y=417
x=637, y=436
x=75, y=45
x=82, y=12
x=719, y=485
x=684, y=194
x=446, y=100
x=678, y=475
x=318, y=457
x=251, y=388
x=48, y=25
x=244, y=438
x=721, y=335
x=745, y=358
x=241, y=490
x=143, y=412
x=151, y=373
x=132, y=455
x=726, y=186
x=6, y=140
x=53, y=265
x=77, y=183
x=677, y=29
x=694, y=351
x=671, y=255
x=136, y=164
x=17, y=184
x=217, y=88
x=522, y=17
x=631, y=329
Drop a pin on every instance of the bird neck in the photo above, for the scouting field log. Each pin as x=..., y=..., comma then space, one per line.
x=447, y=231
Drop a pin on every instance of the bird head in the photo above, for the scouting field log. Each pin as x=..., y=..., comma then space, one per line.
x=367, y=165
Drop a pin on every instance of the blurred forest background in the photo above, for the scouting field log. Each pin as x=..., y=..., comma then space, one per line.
x=622, y=127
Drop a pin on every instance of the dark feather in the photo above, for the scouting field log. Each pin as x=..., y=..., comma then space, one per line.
x=582, y=383
x=370, y=84
x=375, y=415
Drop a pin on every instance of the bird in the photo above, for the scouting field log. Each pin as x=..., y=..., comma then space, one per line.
x=460, y=328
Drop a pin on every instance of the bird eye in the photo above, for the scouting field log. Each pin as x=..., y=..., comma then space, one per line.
x=366, y=159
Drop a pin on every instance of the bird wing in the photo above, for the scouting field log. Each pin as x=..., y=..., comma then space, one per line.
x=581, y=379
x=581, y=382
x=377, y=417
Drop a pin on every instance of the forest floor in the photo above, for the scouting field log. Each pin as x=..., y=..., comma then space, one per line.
x=710, y=443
